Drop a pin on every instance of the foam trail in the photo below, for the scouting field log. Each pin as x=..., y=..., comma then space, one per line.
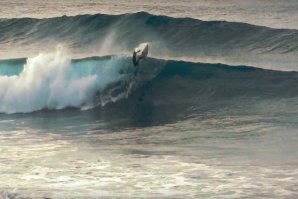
x=52, y=81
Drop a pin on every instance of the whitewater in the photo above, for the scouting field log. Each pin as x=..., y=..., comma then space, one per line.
x=211, y=113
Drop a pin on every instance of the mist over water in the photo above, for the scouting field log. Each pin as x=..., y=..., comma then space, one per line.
x=211, y=113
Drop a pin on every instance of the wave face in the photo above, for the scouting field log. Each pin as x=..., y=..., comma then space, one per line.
x=87, y=75
x=54, y=81
x=171, y=38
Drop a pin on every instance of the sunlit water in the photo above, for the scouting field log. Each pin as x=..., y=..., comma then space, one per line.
x=215, y=155
x=274, y=13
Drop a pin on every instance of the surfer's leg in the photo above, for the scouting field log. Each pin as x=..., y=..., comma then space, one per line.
x=136, y=71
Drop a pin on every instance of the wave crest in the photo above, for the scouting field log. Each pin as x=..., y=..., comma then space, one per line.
x=169, y=38
x=53, y=81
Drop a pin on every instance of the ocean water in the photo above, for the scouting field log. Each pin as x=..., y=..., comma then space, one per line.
x=211, y=113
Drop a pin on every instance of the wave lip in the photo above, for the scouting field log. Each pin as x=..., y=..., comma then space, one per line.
x=53, y=81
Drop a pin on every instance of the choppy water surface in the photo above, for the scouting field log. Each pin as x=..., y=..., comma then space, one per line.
x=277, y=14
x=209, y=156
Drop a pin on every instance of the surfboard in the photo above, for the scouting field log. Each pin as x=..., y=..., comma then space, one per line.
x=140, y=53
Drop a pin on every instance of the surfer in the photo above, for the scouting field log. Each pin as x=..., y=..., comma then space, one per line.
x=134, y=58
x=139, y=54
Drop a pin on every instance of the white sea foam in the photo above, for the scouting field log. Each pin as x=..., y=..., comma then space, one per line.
x=51, y=81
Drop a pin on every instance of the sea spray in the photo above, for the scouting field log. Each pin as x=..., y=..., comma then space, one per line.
x=54, y=81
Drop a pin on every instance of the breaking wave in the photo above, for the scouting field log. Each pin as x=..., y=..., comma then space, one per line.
x=54, y=81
